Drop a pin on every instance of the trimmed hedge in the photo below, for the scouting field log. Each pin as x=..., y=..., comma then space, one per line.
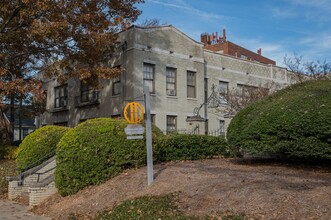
x=95, y=151
x=37, y=144
x=295, y=121
x=190, y=147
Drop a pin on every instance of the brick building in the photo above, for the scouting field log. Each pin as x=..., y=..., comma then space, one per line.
x=221, y=45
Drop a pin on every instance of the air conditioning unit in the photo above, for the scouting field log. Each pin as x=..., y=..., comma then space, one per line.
x=171, y=92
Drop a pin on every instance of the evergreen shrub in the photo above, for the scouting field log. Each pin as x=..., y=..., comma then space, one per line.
x=190, y=147
x=37, y=144
x=295, y=121
x=95, y=151
x=8, y=152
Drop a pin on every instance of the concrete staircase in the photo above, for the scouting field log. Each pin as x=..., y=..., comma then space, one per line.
x=36, y=183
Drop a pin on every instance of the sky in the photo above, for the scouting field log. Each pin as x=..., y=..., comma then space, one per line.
x=280, y=27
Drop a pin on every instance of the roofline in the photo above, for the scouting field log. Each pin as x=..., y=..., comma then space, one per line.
x=165, y=27
x=238, y=58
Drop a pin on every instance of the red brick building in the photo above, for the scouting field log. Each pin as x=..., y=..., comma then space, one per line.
x=219, y=44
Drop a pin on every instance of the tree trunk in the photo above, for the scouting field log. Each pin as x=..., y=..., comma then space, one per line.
x=12, y=117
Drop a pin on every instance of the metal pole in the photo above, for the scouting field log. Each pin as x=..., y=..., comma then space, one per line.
x=148, y=136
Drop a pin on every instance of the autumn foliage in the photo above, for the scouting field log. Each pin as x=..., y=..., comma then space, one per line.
x=62, y=38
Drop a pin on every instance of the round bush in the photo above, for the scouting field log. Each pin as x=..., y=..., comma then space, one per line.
x=37, y=144
x=95, y=151
x=295, y=121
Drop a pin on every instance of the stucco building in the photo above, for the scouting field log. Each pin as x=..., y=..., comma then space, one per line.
x=180, y=72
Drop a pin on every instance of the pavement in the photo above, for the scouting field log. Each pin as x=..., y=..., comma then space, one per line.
x=10, y=210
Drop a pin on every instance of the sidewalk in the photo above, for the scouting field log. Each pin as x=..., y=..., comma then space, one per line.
x=10, y=210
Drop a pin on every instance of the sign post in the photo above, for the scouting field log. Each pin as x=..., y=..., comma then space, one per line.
x=150, y=176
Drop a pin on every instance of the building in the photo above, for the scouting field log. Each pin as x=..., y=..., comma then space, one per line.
x=181, y=73
x=220, y=44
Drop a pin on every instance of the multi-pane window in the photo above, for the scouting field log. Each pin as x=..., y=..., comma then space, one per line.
x=116, y=85
x=222, y=126
x=191, y=84
x=88, y=93
x=223, y=89
x=171, y=81
x=149, y=73
x=171, y=123
x=61, y=95
x=25, y=132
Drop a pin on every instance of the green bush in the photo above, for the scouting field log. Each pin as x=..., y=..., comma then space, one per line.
x=294, y=121
x=8, y=152
x=189, y=147
x=37, y=144
x=95, y=151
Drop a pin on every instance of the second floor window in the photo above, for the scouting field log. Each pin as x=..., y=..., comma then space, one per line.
x=88, y=93
x=61, y=95
x=117, y=85
x=191, y=84
x=223, y=92
x=149, y=73
x=171, y=81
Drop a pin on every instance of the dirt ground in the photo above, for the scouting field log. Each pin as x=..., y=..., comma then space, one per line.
x=263, y=190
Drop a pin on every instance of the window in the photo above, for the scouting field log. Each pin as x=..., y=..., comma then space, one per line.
x=223, y=90
x=222, y=126
x=61, y=96
x=149, y=72
x=244, y=57
x=171, y=81
x=153, y=119
x=25, y=132
x=171, y=123
x=191, y=84
x=88, y=93
x=116, y=90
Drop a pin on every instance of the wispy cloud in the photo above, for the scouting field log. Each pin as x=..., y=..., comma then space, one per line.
x=278, y=12
x=187, y=8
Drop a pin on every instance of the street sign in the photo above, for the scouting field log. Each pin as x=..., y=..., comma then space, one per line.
x=133, y=112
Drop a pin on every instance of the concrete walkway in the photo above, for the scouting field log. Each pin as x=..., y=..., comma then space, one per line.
x=10, y=210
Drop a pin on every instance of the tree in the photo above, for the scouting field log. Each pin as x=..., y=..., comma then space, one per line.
x=147, y=22
x=60, y=38
x=307, y=69
x=242, y=96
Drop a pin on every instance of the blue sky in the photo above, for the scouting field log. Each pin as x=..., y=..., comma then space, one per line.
x=279, y=27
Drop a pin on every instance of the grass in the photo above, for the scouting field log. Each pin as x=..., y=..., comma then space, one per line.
x=154, y=208
x=7, y=168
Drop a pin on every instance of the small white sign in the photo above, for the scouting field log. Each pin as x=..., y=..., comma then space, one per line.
x=134, y=137
x=134, y=129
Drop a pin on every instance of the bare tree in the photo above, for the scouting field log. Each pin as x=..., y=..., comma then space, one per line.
x=307, y=69
x=148, y=22
x=238, y=98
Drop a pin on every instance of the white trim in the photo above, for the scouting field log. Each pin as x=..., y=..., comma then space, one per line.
x=191, y=69
x=149, y=61
x=223, y=80
x=171, y=114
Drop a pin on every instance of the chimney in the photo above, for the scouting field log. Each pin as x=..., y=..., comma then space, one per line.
x=259, y=51
x=224, y=35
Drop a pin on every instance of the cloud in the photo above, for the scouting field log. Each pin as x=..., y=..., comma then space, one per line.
x=185, y=7
x=283, y=13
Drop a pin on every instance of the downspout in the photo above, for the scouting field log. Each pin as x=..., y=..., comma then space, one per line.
x=124, y=48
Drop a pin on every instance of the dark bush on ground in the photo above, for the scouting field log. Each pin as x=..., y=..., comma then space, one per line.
x=95, y=151
x=8, y=152
x=39, y=143
x=295, y=122
x=189, y=147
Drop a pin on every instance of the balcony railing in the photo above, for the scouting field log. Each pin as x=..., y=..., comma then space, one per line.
x=90, y=98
